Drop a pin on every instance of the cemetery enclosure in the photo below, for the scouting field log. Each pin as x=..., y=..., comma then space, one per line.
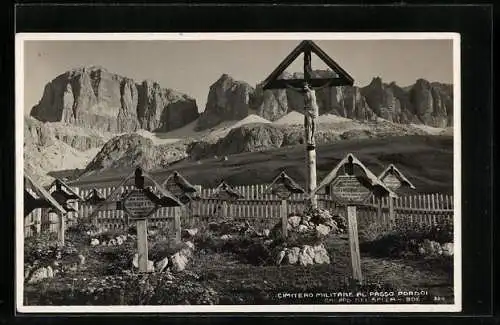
x=257, y=208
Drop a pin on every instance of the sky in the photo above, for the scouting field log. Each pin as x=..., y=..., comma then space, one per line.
x=191, y=66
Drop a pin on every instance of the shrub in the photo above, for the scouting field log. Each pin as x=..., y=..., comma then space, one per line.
x=404, y=239
x=128, y=289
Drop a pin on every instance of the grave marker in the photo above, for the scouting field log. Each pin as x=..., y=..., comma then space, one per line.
x=394, y=180
x=184, y=192
x=227, y=194
x=283, y=186
x=352, y=188
x=138, y=204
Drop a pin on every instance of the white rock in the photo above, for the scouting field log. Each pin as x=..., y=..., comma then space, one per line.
x=151, y=266
x=191, y=232
x=186, y=252
x=280, y=257
x=190, y=245
x=179, y=262
x=447, y=249
x=305, y=259
x=294, y=221
x=50, y=272
x=322, y=230
x=266, y=232
x=161, y=265
x=302, y=229
x=82, y=259
x=135, y=261
x=38, y=275
x=309, y=250
x=293, y=255
x=94, y=242
x=321, y=255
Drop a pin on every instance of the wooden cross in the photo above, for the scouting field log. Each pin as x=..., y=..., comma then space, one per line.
x=307, y=86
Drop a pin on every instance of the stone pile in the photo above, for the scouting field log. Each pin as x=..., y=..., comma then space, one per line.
x=433, y=248
x=175, y=263
x=318, y=221
x=117, y=241
x=305, y=255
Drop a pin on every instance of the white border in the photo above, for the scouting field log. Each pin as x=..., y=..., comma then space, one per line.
x=19, y=126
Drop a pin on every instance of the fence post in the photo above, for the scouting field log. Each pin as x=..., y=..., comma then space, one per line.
x=391, y=210
x=284, y=217
x=177, y=224
x=62, y=226
x=224, y=209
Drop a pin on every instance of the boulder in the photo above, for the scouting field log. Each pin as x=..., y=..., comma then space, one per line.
x=305, y=259
x=302, y=229
x=94, y=242
x=294, y=221
x=190, y=232
x=190, y=245
x=151, y=266
x=281, y=256
x=38, y=275
x=322, y=230
x=321, y=255
x=447, y=249
x=161, y=265
x=179, y=262
x=50, y=272
x=293, y=255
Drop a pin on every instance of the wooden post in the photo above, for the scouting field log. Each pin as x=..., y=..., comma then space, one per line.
x=391, y=209
x=177, y=224
x=224, y=209
x=62, y=227
x=380, y=215
x=354, y=243
x=142, y=244
x=284, y=217
x=311, y=172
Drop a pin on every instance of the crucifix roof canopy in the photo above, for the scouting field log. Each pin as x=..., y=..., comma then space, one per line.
x=342, y=78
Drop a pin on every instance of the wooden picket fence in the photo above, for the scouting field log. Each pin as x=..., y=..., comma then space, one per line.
x=262, y=209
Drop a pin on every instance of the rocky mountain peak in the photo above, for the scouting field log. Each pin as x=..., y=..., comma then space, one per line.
x=93, y=97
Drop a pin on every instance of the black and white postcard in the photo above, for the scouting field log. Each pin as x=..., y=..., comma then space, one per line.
x=238, y=172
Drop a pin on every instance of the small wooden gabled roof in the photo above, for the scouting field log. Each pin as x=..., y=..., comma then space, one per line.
x=286, y=180
x=165, y=199
x=396, y=172
x=183, y=183
x=370, y=177
x=223, y=187
x=41, y=192
x=342, y=79
x=65, y=187
x=94, y=196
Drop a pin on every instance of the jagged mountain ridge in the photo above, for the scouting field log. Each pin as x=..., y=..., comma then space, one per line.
x=422, y=103
x=92, y=97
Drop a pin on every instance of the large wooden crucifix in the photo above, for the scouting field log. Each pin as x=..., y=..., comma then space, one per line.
x=307, y=86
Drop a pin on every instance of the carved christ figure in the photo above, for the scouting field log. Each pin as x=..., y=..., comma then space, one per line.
x=311, y=109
